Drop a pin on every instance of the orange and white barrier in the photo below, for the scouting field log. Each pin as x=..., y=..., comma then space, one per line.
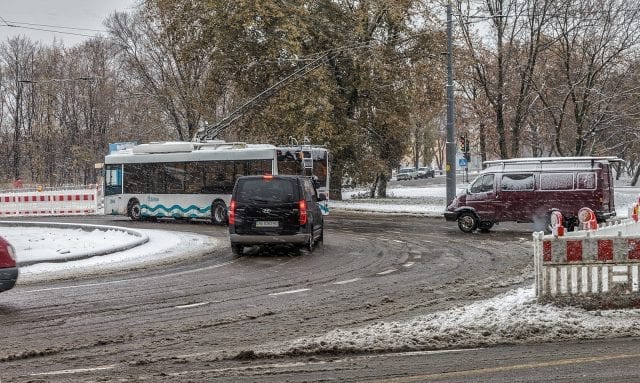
x=557, y=225
x=49, y=202
x=596, y=267
x=587, y=219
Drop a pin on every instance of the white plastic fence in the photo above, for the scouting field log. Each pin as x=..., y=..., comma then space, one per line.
x=79, y=200
x=596, y=268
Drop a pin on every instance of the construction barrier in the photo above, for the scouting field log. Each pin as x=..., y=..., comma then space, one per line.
x=40, y=202
x=594, y=268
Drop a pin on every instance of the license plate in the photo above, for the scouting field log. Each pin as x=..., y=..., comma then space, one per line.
x=266, y=223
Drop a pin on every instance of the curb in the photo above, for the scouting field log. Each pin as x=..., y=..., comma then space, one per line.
x=141, y=239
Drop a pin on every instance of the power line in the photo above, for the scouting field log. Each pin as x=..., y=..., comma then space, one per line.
x=17, y=23
x=48, y=28
x=4, y=21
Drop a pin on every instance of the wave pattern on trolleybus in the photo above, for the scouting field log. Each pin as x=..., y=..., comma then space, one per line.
x=163, y=211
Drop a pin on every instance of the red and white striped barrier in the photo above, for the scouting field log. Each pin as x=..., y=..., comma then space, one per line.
x=594, y=268
x=49, y=202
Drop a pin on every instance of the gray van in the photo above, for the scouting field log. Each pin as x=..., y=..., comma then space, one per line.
x=529, y=189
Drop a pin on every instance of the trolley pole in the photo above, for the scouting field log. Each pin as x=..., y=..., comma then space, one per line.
x=451, y=130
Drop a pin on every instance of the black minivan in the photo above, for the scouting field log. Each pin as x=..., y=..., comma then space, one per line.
x=275, y=209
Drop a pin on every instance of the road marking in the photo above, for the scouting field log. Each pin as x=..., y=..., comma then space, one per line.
x=79, y=286
x=248, y=368
x=192, y=305
x=387, y=272
x=289, y=292
x=76, y=371
x=398, y=241
x=409, y=264
x=489, y=370
x=347, y=281
x=305, y=364
x=126, y=280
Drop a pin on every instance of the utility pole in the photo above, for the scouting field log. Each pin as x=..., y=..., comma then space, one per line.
x=451, y=130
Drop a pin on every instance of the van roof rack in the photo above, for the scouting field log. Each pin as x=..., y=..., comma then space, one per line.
x=549, y=163
x=535, y=160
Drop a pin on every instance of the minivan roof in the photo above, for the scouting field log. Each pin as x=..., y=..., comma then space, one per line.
x=290, y=176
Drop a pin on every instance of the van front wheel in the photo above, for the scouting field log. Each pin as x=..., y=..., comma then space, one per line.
x=467, y=222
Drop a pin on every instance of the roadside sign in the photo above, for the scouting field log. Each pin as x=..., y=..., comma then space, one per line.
x=462, y=162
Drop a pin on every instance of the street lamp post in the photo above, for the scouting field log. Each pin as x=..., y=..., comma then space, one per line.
x=451, y=130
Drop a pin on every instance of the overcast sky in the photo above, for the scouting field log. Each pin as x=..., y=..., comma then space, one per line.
x=40, y=19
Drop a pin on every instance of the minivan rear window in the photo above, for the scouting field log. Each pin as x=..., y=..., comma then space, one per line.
x=587, y=181
x=266, y=189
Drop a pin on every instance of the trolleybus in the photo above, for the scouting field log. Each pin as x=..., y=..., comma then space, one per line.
x=194, y=179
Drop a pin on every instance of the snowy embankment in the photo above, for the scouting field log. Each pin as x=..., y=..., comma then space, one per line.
x=510, y=318
x=47, y=243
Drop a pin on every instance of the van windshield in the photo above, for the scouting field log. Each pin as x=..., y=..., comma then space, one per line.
x=266, y=190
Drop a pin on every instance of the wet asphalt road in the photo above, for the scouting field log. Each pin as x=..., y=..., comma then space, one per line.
x=201, y=320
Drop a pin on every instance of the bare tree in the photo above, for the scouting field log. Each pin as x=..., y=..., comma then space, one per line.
x=162, y=44
x=580, y=94
x=17, y=55
x=503, y=39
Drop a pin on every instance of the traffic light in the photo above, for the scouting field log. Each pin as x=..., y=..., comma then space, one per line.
x=463, y=144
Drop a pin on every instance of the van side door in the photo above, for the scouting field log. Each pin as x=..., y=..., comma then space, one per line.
x=481, y=196
x=518, y=197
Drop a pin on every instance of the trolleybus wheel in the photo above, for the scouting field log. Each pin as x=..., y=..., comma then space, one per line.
x=219, y=213
x=133, y=210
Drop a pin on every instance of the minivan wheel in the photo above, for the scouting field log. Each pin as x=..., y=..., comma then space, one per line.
x=310, y=242
x=467, y=222
x=237, y=249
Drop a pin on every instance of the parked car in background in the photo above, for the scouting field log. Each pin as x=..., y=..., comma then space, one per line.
x=426, y=172
x=406, y=174
x=8, y=266
x=274, y=210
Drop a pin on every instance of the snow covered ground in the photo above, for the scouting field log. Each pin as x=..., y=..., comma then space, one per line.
x=513, y=317
x=34, y=244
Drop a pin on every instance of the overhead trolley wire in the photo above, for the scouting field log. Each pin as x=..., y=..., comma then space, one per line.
x=49, y=28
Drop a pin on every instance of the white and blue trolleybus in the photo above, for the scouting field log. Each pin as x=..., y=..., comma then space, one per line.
x=195, y=179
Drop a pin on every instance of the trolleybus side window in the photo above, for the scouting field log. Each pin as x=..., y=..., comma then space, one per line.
x=193, y=177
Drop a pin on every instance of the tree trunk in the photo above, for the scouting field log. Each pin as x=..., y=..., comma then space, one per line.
x=335, y=182
x=636, y=174
x=374, y=186
x=382, y=185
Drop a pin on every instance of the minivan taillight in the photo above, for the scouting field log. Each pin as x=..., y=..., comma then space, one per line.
x=302, y=206
x=232, y=212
